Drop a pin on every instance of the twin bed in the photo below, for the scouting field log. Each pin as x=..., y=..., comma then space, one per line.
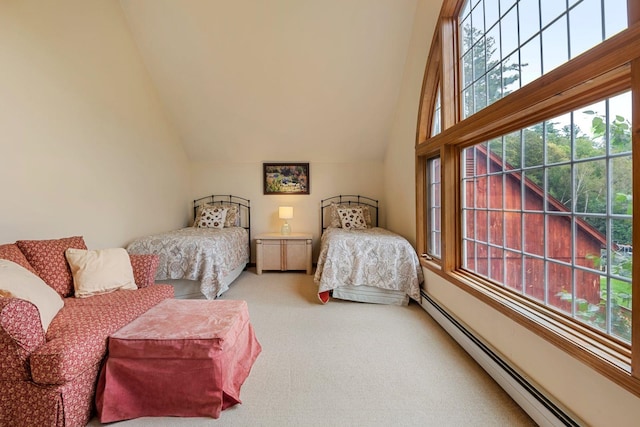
x=360, y=261
x=212, y=254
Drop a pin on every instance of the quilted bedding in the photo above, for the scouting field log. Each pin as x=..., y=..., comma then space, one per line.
x=372, y=257
x=204, y=254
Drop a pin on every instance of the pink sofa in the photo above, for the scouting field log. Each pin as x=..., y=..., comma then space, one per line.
x=48, y=378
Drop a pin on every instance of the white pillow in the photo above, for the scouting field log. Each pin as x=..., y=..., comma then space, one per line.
x=100, y=271
x=25, y=285
x=212, y=217
x=334, y=217
x=352, y=218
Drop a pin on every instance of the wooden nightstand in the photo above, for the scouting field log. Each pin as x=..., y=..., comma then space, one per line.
x=275, y=251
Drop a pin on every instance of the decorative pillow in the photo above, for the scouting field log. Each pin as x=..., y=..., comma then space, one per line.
x=212, y=217
x=100, y=271
x=13, y=253
x=48, y=260
x=352, y=218
x=23, y=284
x=231, y=220
x=233, y=216
x=334, y=217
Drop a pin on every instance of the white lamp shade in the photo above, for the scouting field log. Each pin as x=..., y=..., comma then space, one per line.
x=285, y=212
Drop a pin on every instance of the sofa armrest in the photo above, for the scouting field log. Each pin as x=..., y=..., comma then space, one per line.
x=21, y=333
x=144, y=269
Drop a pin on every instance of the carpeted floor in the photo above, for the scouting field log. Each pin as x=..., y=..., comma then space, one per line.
x=351, y=364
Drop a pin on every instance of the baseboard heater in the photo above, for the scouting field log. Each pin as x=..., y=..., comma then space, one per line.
x=542, y=410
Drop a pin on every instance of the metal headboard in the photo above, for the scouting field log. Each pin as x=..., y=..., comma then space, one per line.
x=244, y=209
x=349, y=200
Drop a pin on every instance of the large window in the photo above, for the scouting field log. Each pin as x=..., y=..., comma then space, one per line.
x=547, y=213
x=535, y=150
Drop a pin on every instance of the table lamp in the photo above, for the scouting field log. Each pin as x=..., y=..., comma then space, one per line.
x=285, y=212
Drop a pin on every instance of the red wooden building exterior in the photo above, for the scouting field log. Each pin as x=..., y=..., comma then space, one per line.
x=509, y=213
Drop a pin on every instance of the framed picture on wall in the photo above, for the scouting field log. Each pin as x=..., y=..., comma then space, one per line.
x=285, y=178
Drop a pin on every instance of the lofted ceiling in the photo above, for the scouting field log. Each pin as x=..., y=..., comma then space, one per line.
x=268, y=80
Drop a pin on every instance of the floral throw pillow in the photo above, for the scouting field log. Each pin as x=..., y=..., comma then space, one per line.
x=212, y=217
x=48, y=260
x=352, y=218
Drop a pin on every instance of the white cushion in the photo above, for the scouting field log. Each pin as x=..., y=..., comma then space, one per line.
x=335, y=220
x=212, y=217
x=100, y=271
x=25, y=285
x=352, y=218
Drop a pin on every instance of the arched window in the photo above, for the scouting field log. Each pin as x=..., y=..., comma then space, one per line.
x=537, y=108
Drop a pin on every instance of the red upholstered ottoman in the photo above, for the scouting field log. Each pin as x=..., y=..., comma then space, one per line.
x=184, y=358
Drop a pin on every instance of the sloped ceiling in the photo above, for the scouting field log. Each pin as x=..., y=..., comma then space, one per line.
x=266, y=80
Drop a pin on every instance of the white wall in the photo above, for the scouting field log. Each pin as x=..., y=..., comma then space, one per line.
x=85, y=148
x=326, y=180
x=588, y=395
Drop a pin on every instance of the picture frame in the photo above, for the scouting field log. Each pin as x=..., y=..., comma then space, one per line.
x=285, y=178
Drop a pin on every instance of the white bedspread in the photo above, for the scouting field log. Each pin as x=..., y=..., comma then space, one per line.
x=204, y=254
x=373, y=257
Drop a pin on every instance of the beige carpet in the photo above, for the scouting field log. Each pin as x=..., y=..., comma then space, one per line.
x=351, y=364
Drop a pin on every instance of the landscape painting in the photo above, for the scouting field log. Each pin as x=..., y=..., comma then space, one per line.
x=286, y=178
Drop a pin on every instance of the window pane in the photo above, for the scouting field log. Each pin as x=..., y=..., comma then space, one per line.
x=560, y=294
x=534, y=234
x=513, y=149
x=509, y=32
x=467, y=39
x=467, y=69
x=435, y=121
x=513, y=230
x=555, y=45
x=496, y=228
x=496, y=264
x=558, y=138
x=513, y=191
x=615, y=14
x=480, y=94
x=477, y=20
x=590, y=124
x=534, y=278
x=619, y=120
x=531, y=61
x=495, y=191
x=559, y=186
x=494, y=84
x=491, y=12
x=529, y=14
x=533, y=147
x=550, y=10
x=585, y=26
x=505, y=5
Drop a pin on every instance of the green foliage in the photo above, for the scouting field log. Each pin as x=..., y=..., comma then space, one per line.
x=501, y=77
